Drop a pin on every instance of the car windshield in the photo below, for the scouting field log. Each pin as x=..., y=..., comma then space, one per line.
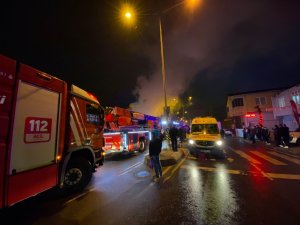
x=205, y=128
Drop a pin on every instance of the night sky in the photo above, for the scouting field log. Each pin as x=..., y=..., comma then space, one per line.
x=219, y=48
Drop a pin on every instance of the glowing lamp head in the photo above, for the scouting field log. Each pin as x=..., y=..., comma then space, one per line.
x=128, y=15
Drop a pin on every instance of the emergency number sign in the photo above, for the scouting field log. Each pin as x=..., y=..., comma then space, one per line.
x=37, y=129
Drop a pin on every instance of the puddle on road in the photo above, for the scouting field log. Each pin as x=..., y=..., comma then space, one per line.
x=142, y=174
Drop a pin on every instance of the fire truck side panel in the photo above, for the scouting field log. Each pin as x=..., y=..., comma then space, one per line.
x=30, y=183
x=113, y=142
x=35, y=138
x=133, y=139
x=7, y=82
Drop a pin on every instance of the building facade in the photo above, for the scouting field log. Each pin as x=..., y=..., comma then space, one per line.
x=282, y=106
x=251, y=108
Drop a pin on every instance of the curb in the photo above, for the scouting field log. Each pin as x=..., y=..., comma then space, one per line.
x=168, y=160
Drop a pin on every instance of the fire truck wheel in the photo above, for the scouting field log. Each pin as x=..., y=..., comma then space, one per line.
x=142, y=145
x=78, y=174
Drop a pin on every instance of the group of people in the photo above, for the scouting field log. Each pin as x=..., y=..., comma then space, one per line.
x=257, y=132
x=281, y=134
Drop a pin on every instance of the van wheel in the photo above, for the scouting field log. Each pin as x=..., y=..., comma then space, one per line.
x=78, y=174
x=142, y=145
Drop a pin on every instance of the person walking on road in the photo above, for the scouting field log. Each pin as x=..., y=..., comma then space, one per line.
x=155, y=146
x=173, y=135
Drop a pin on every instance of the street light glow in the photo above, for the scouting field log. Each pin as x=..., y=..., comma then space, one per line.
x=127, y=14
x=191, y=5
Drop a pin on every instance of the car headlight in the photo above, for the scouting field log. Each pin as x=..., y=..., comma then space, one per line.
x=191, y=142
x=219, y=143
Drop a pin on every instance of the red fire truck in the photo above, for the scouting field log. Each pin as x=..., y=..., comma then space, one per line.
x=51, y=133
x=127, y=131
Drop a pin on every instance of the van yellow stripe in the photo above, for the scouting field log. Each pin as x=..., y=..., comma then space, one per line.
x=249, y=158
x=289, y=158
x=269, y=159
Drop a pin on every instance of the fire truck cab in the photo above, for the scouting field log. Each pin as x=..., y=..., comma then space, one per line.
x=51, y=133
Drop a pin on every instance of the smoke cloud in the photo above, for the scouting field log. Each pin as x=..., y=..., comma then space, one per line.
x=216, y=37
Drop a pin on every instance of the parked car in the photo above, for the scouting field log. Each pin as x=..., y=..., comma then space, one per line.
x=295, y=137
x=228, y=132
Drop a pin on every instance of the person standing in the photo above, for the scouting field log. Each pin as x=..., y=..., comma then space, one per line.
x=277, y=135
x=155, y=146
x=173, y=135
x=181, y=135
x=286, y=136
x=265, y=135
x=281, y=135
x=252, y=135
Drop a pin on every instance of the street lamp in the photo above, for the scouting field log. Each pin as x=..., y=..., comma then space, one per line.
x=128, y=13
x=191, y=4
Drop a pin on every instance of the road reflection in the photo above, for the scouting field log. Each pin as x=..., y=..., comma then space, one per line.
x=211, y=197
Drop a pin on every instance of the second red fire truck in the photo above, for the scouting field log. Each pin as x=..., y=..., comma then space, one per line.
x=127, y=131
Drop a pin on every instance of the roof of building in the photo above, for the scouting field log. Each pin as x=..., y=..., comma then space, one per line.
x=256, y=91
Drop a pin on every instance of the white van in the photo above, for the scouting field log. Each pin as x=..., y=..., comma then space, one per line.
x=205, y=137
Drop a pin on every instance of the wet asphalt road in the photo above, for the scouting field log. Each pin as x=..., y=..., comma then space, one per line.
x=252, y=186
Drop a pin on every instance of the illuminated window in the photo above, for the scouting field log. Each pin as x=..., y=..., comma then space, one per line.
x=260, y=101
x=237, y=102
x=94, y=114
x=281, y=102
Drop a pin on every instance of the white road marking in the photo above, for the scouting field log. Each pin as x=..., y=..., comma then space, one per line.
x=262, y=172
x=269, y=159
x=127, y=170
x=289, y=158
x=246, y=156
x=79, y=196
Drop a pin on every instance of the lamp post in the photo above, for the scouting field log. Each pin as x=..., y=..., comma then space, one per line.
x=163, y=70
x=128, y=13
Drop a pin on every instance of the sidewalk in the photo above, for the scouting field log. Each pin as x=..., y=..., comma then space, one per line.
x=167, y=156
x=293, y=149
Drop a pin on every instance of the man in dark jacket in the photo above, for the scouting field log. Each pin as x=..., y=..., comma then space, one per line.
x=173, y=135
x=155, y=146
x=286, y=136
